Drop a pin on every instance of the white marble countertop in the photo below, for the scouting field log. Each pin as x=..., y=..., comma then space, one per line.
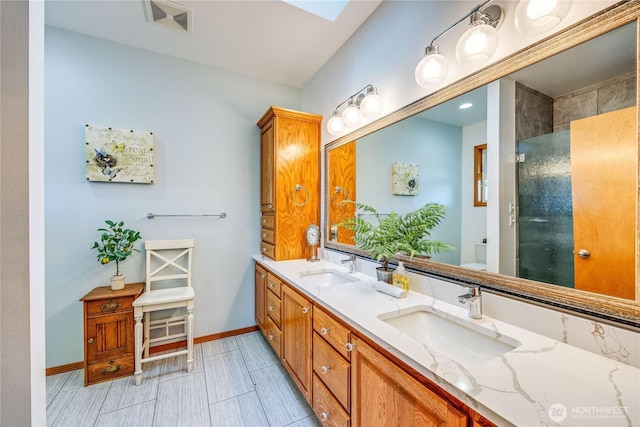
x=540, y=382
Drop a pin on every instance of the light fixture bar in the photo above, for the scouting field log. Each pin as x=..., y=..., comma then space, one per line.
x=364, y=103
x=474, y=10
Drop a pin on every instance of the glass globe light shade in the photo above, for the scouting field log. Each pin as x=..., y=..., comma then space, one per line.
x=372, y=104
x=533, y=17
x=352, y=116
x=477, y=44
x=335, y=125
x=432, y=69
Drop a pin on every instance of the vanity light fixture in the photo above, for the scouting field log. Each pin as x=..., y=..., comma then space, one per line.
x=475, y=46
x=359, y=105
x=539, y=16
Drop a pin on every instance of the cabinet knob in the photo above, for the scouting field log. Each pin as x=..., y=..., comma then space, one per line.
x=271, y=337
x=584, y=254
x=325, y=369
x=90, y=341
x=305, y=310
x=270, y=308
x=349, y=347
x=270, y=285
x=264, y=221
x=264, y=249
x=264, y=235
x=270, y=206
x=324, y=416
x=324, y=330
x=262, y=275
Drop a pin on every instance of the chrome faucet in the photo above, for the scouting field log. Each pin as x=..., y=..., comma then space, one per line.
x=352, y=263
x=474, y=299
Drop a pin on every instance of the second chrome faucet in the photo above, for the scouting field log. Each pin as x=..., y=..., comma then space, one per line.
x=474, y=299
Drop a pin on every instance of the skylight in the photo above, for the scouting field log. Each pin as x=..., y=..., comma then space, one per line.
x=327, y=9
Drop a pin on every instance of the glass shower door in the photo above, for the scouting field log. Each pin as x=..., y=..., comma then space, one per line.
x=545, y=213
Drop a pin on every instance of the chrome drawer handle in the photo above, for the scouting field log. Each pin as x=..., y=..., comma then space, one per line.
x=305, y=310
x=324, y=416
x=349, y=347
x=324, y=330
x=325, y=369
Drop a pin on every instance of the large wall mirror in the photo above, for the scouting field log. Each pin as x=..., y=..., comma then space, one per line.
x=560, y=124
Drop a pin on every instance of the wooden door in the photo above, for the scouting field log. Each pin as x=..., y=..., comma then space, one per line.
x=109, y=336
x=604, y=164
x=384, y=395
x=297, y=325
x=261, y=286
x=342, y=186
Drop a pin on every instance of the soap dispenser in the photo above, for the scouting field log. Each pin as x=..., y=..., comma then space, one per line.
x=400, y=277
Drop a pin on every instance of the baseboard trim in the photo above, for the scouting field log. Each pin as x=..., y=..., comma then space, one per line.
x=171, y=346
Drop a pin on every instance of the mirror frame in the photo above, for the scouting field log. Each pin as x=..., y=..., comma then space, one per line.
x=623, y=313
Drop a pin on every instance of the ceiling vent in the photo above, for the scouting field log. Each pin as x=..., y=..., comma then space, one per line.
x=169, y=14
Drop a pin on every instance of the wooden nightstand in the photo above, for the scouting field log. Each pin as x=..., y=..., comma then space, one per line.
x=108, y=333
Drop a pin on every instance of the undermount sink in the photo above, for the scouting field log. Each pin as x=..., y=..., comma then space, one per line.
x=326, y=277
x=460, y=340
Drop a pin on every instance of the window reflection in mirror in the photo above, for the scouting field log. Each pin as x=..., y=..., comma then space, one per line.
x=480, y=175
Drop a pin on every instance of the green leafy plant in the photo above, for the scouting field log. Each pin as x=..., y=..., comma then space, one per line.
x=116, y=243
x=397, y=233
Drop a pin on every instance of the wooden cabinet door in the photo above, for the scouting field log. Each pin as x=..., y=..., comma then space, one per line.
x=296, y=338
x=382, y=394
x=109, y=336
x=267, y=169
x=261, y=289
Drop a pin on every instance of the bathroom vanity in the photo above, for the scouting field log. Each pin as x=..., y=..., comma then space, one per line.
x=364, y=358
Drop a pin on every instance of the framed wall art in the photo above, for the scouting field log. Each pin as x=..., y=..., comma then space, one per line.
x=119, y=155
x=404, y=179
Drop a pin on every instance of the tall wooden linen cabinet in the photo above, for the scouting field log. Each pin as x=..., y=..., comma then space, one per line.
x=289, y=181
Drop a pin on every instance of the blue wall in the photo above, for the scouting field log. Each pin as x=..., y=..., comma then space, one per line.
x=206, y=161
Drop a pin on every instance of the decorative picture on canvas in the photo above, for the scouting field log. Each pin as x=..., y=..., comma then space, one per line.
x=404, y=179
x=119, y=155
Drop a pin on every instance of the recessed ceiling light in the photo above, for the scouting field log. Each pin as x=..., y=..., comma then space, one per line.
x=465, y=106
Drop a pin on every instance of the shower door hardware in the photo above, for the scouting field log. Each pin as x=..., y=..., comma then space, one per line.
x=584, y=254
x=519, y=157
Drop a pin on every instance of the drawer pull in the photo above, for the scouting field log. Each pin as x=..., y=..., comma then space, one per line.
x=264, y=221
x=264, y=235
x=325, y=331
x=271, y=337
x=349, y=347
x=324, y=416
x=264, y=249
x=305, y=310
x=270, y=308
x=90, y=341
x=325, y=369
x=270, y=206
x=111, y=306
x=262, y=275
x=111, y=369
x=270, y=285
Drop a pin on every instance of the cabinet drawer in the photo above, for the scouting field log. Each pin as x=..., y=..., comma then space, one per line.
x=328, y=410
x=273, y=308
x=274, y=284
x=109, y=305
x=268, y=236
x=274, y=336
x=333, y=370
x=110, y=369
x=268, y=249
x=268, y=221
x=332, y=331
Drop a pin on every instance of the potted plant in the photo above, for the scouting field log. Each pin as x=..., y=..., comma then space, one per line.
x=116, y=244
x=396, y=233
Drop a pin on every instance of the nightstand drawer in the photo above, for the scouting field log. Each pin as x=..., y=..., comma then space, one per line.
x=332, y=369
x=109, y=305
x=110, y=369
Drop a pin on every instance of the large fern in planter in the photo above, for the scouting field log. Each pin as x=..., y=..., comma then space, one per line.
x=397, y=233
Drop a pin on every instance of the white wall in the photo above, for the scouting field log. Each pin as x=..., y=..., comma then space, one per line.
x=206, y=161
x=474, y=218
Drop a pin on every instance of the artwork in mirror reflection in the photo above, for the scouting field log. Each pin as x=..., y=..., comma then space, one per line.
x=568, y=202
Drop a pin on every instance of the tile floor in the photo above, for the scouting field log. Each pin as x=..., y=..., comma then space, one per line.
x=236, y=381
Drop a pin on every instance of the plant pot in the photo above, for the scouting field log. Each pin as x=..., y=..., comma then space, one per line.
x=385, y=274
x=117, y=282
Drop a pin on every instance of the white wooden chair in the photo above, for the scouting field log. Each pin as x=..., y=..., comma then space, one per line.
x=168, y=289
